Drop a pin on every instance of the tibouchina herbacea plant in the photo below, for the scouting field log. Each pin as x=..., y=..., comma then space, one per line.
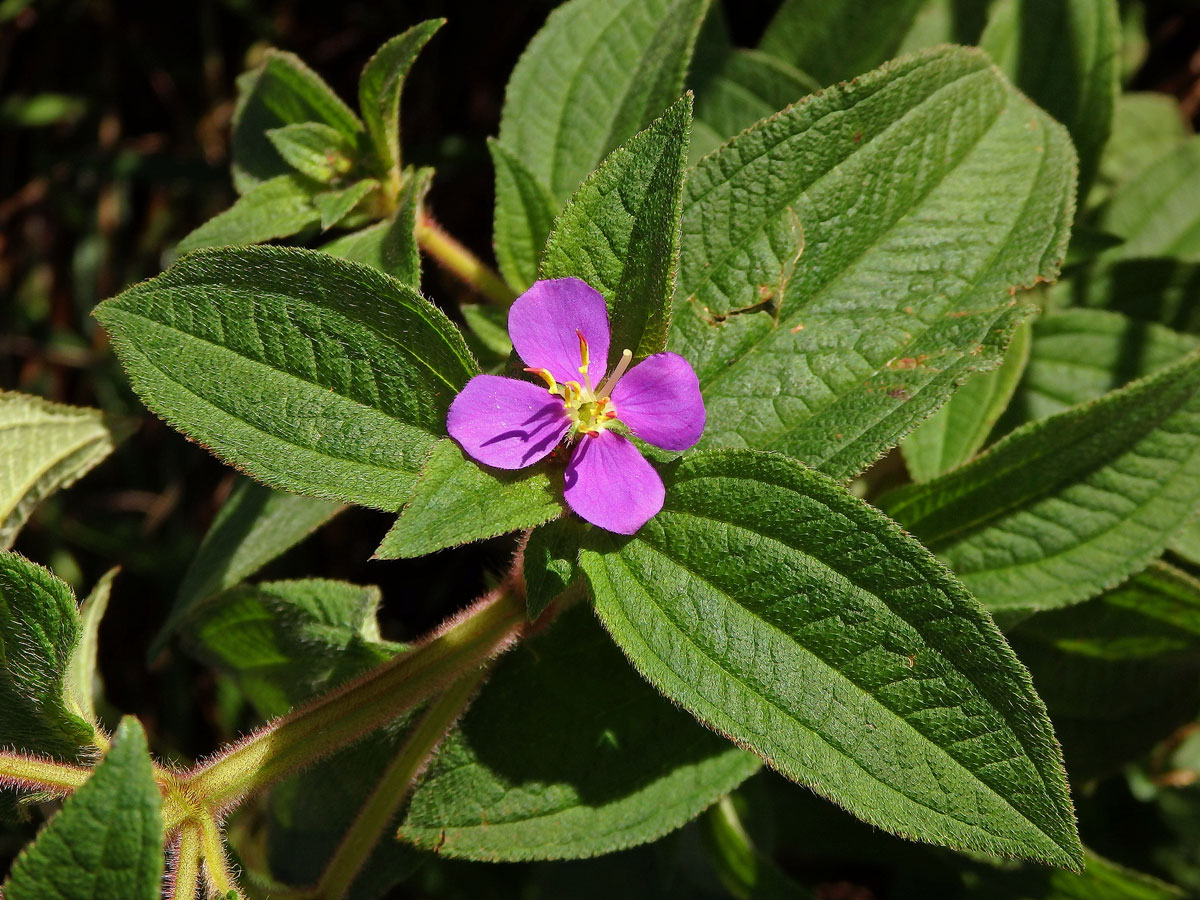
x=780, y=467
x=559, y=327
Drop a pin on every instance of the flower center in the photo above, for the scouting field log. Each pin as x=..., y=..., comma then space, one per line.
x=590, y=409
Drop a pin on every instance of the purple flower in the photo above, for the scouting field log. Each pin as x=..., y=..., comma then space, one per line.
x=560, y=329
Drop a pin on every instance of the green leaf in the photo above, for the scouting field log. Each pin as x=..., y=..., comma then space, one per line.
x=336, y=205
x=283, y=91
x=739, y=88
x=81, y=681
x=945, y=22
x=550, y=562
x=524, y=214
x=954, y=434
x=1152, y=289
x=456, y=501
x=380, y=86
x=255, y=525
x=314, y=150
x=1069, y=506
x=39, y=630
x=1065, y=54
x=597, y=72
x=286, y=640
x=273, y=209
x=46, y=447
x=620, y=232
x=744, y=871
x=1156, y=212
x=1154, y=614
x=837, y=648
x=391, y=247
x=1145, y=126
x=834, y=40
x=107, y=840
x=1186, y=544
x=926, y=193
x=487, y=331
x=567, y=754
x=1081, y=354
x=315, y=375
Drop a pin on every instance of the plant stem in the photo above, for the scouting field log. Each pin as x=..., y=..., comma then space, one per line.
x=346, y=714
x=462, y=262
x=187, y=864
x=397, y=782
x=215, y=863
x=19, y=771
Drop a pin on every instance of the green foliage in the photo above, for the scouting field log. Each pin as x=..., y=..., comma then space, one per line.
x=567, y=754
x=1065, y=55
x=277, y=208
x=837, y=648
x=550, y=562
x=334, y=206
x=596, y=73
x=953, y=434
x=1144, y=127
x=283, y=91
x=380, y=86
x=1101, y=880
x=620, y=232
x=1155, y=212
x=834, y=41
x=39, y=631
x=455, y=501
x=45, y=447
x=1062, y=508
x=334, y=379
x=314, y=150
x=391, y=246
x=839, y=276
x=107, y=841
x=285, y=641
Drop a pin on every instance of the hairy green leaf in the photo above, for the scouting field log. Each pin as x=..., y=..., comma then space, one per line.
x=836, y=647
x=39, y=630
x=847, y=262
x=567, y=754
x=81, y=680
x=284, y=641
x=283, y=91
x=1100, y=880
x=277, y=208
x=524, y=215
x=455, y=501
x=391, y=247
x=255, y=525
x=834, y=40
x=336, y=205
x=1065, y=55
x=45, y=447
x=314, y=150
x=380, y=86
x=1145, y=126
x=953, y=434
x=1068, y=506
x=597, y=72
x=620, y=232
x=107, y=840
x=945, y=22
x=315, y=375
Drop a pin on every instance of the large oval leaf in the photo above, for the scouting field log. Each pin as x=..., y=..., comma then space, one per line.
x=846, y=263
x=315, y=375
x=808, y=627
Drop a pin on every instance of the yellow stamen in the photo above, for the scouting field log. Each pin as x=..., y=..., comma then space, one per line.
x=583, y=352
x=545, y=375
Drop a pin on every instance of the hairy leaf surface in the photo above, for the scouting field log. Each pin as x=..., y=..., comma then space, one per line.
x=846, y=263
x=277, y=208
x=315, y=375
x=1069, y=506
x=107, y=840
x=381, y=83
x=802, y=623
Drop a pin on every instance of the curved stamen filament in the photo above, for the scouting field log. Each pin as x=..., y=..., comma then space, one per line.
x=583, y=357
x=545, y=375
x=611, y=381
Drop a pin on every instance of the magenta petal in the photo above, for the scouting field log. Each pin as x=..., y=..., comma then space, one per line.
x=659, y=399
x=545, y=323
x=506, y=423
x=610, y=485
